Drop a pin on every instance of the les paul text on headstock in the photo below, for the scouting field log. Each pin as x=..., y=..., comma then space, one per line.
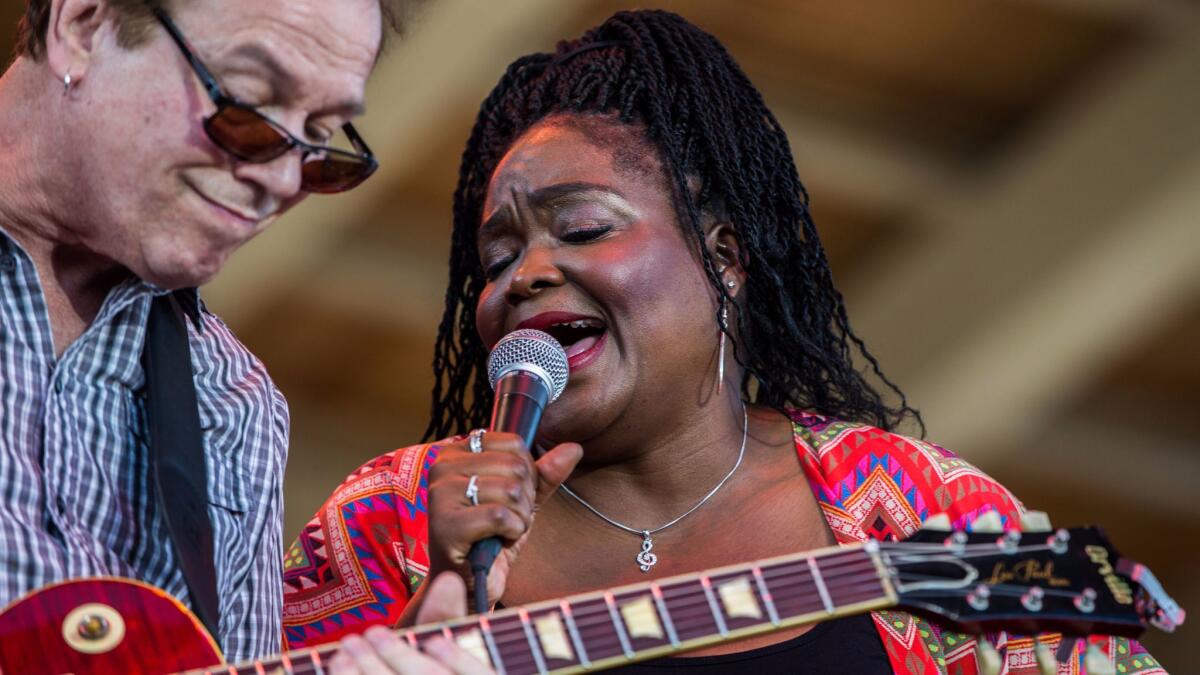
x=1025, y=572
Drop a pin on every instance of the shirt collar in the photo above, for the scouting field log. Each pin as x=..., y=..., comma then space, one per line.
x=188, y=298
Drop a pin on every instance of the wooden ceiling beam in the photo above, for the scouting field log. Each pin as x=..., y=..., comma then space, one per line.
x=1067, y=252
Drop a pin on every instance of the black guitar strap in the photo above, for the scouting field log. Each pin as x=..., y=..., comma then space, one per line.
x=177, y=449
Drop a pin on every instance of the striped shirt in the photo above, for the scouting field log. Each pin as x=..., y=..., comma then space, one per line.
x=76, y=493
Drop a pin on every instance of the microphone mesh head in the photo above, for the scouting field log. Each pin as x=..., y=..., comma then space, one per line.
x=532, y=351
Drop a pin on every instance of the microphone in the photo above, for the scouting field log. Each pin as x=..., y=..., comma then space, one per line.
x=528, y=370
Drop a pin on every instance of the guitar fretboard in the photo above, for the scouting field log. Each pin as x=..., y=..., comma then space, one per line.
x=633, y=623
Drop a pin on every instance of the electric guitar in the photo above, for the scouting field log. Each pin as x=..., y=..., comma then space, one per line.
x=1031, y=581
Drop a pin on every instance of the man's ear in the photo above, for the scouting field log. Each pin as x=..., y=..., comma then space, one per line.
x=722, y=242
x=71, y=36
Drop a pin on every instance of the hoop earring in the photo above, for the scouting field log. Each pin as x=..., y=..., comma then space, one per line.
x=721, y=351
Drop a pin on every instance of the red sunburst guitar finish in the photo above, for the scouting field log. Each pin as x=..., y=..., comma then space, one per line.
x=102, y=626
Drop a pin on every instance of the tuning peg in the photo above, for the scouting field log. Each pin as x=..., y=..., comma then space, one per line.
x=1046, y=663
x=988, y=523
x=937, y=523
x=1096, y=663
x=1035, y=521
x=987, y=657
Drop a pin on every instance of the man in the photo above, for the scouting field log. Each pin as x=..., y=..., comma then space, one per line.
x=141, y=143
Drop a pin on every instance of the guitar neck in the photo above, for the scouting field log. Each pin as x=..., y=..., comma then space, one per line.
x=609, y=628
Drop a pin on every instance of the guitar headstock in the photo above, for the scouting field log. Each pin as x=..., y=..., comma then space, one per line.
x=1031, y=580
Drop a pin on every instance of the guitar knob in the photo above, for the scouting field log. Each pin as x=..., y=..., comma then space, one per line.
x=1086, y=601
x=939, y=522
x=957, y=542
x=1009, y=542
x=988, y=523
x=1032, y=599
x=1035, y=521
x=1058, y=541
x=987, y=657
x=978, y=598
x=93, y=627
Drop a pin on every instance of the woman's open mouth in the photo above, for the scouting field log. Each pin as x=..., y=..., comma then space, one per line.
x=582, y=337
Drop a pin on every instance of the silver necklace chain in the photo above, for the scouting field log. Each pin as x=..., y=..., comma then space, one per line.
x=647, y=559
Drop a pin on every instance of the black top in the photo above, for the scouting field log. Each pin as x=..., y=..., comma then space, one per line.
x=849, y=645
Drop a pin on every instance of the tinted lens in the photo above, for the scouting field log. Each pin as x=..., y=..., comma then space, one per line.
x=334, y=173
x=246, y=134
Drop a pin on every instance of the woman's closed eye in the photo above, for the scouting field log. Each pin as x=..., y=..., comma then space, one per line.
x=576, y=234
x=585, y=233
x=491, y=271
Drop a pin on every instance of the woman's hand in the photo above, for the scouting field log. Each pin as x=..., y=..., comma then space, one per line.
x=511, y=488
x=382, y=652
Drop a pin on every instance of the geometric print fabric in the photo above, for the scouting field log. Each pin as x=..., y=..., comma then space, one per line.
x=364, y=554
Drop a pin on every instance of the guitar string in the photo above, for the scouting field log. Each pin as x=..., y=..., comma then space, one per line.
x=779, y=569
x=1003, y=589
x=517, y=635
x=706, y=615
x=685, y=627
x=827, y=565
x=671, y=592
x=604, y=616
x=689, y=617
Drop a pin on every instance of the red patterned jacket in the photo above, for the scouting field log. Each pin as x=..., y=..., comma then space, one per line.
x=364, y=554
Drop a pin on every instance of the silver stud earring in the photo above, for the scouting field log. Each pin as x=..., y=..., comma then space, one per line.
x=66, y=83
x=731, y=284
x=721, y=352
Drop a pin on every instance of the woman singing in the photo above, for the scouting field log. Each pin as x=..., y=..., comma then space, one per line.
x=632, y=195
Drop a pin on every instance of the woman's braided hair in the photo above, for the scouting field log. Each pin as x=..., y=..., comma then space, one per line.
x=707, y=122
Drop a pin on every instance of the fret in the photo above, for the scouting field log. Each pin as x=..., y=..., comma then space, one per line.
x=738, y=601
x=684, y=600
x=643, y=622
x=820, y=583
x=618, y=625
x=596, y=629
x=512, y=643
x=792, y=589
x=470, y=639
x=552, y=636
x=640, y=617
x=656, y=591
x=490, y=641
x=534, y=647
x=765, y=595
x=863, y=585
x=706, y=583
x=412, y=639
x=573, y=631
x=258, y=668
x=814, y=587
x=286, y=662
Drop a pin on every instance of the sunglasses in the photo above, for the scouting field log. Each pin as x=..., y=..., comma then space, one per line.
x=248, y=135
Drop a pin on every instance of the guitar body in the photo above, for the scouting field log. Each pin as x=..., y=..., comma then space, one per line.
x=102, y=626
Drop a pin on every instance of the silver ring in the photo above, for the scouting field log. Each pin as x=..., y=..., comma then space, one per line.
x=475, y=441
x=473, y=490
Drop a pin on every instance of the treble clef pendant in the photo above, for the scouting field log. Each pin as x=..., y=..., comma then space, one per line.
x=646, y=559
